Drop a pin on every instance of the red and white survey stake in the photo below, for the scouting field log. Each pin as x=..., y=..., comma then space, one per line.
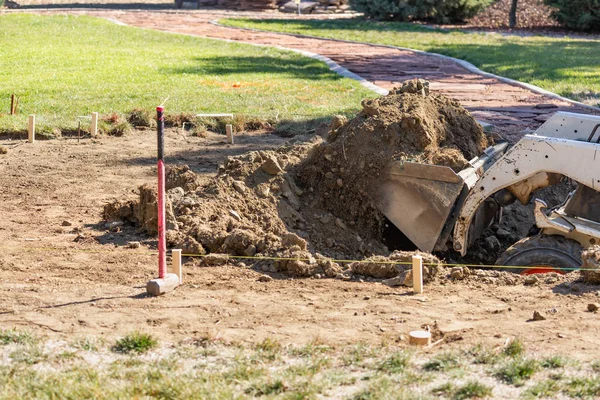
x=162, y=241
x=165, y=282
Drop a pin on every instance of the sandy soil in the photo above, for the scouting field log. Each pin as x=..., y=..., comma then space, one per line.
x=92, y=283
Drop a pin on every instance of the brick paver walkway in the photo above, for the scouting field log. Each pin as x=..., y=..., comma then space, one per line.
x=509, y=107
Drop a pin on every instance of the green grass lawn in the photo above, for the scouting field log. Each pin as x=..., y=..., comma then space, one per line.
x=62, y=67
x=569, y=67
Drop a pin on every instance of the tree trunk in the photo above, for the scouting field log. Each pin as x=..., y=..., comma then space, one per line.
x=512, y=15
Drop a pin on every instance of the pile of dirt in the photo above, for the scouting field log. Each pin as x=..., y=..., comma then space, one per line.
x=309, y=202
x=342, y=173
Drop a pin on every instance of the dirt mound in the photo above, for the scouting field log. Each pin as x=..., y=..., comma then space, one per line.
x=341, y=175
x=309, y=202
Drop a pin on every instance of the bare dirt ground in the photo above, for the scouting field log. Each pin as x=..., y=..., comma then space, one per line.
x=83, y=279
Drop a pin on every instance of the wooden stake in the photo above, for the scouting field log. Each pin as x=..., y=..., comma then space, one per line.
x=419, y=338
x=229, y=131
x=94, y=124
x=13, y=105
x=31, y=128
x=417, y=272
x=176, y=264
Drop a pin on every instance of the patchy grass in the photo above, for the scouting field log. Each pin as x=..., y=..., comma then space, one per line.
x=517, y=371
x=135, y=342
x=553, y=362
x=514, y=349
x=565, y=66
x=545, y=389
x=583, y=388
x=483, y=355
x=209, y=368
x=469, y=390
x=70, y=66
x=443, y=362
x=17, y=336
x=395, y=363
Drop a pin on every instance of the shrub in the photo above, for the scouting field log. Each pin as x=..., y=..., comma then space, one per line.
x=581, y=15
x=440, y=11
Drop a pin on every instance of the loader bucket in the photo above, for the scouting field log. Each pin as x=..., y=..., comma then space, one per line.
x=418, y=199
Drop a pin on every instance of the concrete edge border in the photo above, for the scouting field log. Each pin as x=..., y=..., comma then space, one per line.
x=465, y=64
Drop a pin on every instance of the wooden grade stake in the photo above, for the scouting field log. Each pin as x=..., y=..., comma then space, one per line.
x=31, y=128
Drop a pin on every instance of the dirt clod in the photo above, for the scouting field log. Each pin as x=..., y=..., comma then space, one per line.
x=537, y=316
x=590, y=269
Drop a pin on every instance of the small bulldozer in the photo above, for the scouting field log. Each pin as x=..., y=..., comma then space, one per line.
x=439, y=209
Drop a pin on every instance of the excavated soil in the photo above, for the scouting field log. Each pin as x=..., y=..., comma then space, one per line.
x=310, y=202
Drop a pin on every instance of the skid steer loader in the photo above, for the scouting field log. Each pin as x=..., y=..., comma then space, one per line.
x=438, y=209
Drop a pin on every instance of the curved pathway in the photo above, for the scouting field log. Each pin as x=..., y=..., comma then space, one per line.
x=511, y=108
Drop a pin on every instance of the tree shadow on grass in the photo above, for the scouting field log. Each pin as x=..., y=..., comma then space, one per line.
x=100, y=6
x=288, y=67
x=351, y=24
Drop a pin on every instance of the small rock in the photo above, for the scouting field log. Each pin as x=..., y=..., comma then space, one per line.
x=491, y=243
x=337, y=122
x=235, y=215
x=340, y=183
x=66, y=223
x=239, y=186
x=271, y=166
x=367, y=298
x=562, y=336
x=537, y=316
x=113, y=225
x=325, y=219
x=531, y=280
x=551, y=279
x=593, y=307
x=263, y=190
x=457, y=273
x=134, y=245
x=188, y=202
x=175, y=194
x=329, y=242
x=250, y=251
x=265, y=278
x=329, y=175
x=340, y=224
x=502, y=234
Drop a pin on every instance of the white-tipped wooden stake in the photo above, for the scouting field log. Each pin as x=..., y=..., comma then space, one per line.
x=229, y=131
x=31, y=129
x=417, y=273
x=176, y=264
x=94, y=128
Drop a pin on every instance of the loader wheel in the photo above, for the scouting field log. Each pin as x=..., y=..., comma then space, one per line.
x=547, y=253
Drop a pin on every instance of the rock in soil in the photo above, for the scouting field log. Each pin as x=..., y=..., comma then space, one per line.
x=537, y=316
x=265, y=278
x=531, y=280
x=593, y=307
x=591, y=265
